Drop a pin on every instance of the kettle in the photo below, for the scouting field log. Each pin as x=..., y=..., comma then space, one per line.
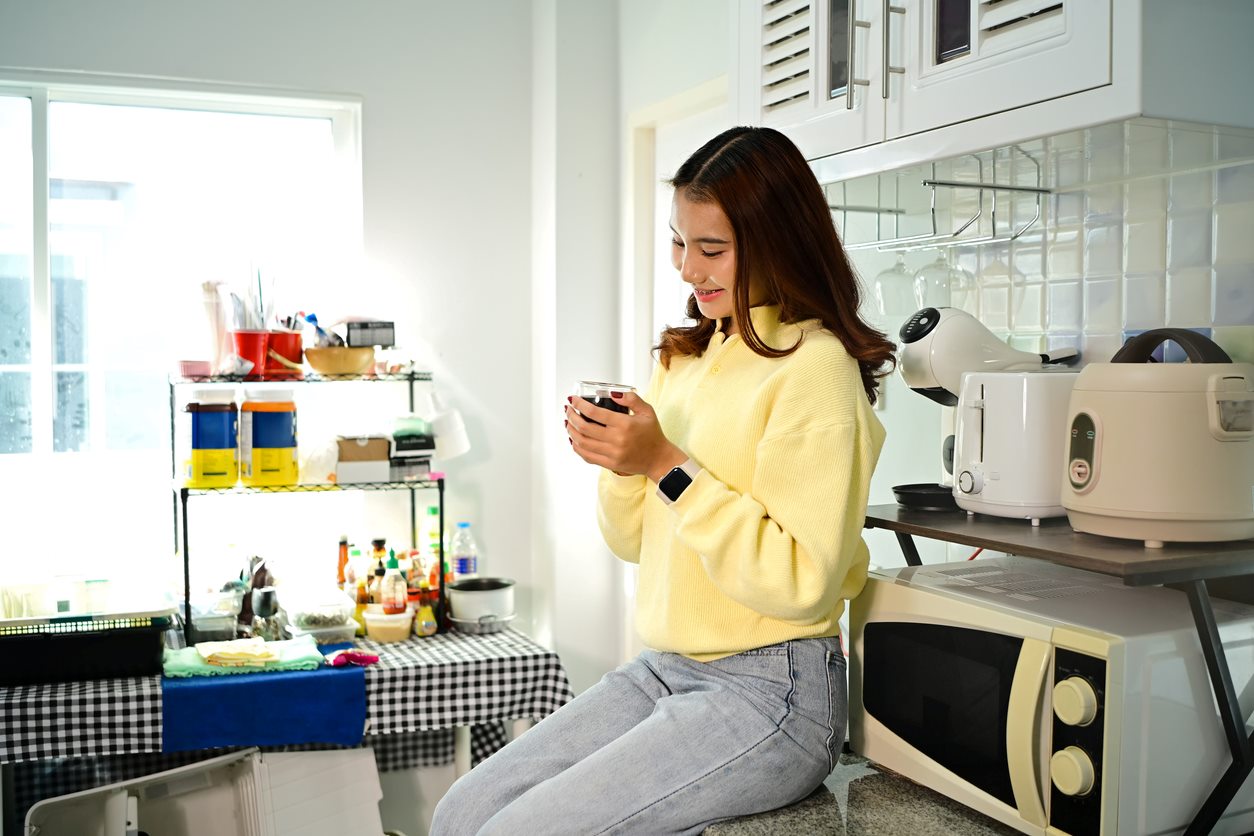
x=1162, y=451
x=939, y=344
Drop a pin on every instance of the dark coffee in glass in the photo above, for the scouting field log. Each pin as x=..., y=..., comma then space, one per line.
x=601, y=395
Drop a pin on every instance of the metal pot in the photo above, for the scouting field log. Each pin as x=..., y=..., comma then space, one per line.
x=473, y=598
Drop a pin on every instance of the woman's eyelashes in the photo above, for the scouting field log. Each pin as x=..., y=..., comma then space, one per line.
x=706, y=253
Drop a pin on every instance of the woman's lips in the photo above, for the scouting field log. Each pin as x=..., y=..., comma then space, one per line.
x=704, y=295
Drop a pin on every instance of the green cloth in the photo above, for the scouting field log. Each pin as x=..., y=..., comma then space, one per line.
x=300, y=654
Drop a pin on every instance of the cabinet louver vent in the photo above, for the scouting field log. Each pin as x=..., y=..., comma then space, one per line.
x=787, y=39
x=1001, y=15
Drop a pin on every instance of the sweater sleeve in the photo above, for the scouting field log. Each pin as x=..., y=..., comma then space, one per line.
x=620, y=500
x=785, y=547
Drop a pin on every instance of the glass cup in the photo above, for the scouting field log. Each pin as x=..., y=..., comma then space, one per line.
x=601, y=394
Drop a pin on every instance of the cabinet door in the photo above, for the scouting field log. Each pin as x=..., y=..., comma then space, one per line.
x=795, y=71
x=962, y=59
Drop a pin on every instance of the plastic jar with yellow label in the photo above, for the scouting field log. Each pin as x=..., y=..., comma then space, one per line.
x=267, y=439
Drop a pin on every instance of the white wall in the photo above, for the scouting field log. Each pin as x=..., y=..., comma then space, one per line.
x=446, y=174
x=574, y=335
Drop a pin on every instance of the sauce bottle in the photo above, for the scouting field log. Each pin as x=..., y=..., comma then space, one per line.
x=393, y=593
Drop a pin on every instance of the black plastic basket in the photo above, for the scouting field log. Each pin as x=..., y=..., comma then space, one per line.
x=66, y=649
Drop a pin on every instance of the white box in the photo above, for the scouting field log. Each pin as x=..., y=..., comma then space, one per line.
x=370, y=471
x=276, y=794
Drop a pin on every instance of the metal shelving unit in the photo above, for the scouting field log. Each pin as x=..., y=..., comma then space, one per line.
x=183, y=494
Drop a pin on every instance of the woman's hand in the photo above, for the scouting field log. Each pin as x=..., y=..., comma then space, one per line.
x=626, y=444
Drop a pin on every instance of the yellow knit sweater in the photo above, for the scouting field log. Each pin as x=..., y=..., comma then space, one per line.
x=766, y=544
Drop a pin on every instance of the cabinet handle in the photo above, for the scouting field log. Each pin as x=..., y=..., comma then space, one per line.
x=854, y=25
x=889, y=9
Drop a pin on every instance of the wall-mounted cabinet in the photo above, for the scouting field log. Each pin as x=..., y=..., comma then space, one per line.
x=843, y=74
x=879, y=84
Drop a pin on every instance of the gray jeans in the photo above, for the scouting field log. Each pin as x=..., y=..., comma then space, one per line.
x=665, y=744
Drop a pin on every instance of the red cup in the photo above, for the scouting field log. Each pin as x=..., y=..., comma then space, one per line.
x=252, y=346
x=285, y=345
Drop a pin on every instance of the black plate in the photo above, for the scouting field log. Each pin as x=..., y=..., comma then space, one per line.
x=924, y=497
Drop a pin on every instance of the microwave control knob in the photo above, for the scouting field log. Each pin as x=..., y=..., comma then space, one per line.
x=970, y=481
x=1071, y=771
x=1075, y=702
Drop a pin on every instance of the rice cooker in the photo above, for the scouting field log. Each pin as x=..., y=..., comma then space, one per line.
x=1162, y=451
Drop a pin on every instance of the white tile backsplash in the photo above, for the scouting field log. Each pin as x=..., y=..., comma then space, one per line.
x=1164, y=237
x=1065, y=306
x=1234, y=295
x=1234, y=233
x=1064, y=254
x=1103, y=249
x=1190, y=191
x=1188, y=239
x=1144, y=302
x=1146, y=200
x=1145, y=246
x=1101, y=304
x=1189, y=297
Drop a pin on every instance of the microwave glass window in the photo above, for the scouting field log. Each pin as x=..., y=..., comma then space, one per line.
x=953, y=29
x=945, y=692
x=838, y=47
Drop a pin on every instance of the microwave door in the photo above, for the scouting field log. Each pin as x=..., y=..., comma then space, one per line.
x=1023, y=731
x=965, y=698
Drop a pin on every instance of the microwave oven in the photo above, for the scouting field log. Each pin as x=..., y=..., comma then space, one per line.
x=1054, y=700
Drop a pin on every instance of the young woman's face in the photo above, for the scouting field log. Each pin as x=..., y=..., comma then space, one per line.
x=703, y=250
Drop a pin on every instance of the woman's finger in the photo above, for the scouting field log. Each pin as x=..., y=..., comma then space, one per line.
x=598, y=414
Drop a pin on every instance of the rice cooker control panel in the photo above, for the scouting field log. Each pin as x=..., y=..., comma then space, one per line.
x=1082, y=450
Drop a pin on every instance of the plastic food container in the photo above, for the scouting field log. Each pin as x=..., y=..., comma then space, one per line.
x=388, y=628
x=321, y=608
x=338, y=634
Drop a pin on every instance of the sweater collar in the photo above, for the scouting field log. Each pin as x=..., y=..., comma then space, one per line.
x=765, y=319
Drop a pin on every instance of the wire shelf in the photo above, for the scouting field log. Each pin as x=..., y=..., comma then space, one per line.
x=311, y=377
x=416, y=484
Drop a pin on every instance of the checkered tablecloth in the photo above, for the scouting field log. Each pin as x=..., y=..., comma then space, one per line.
x=447, y=680
x=78, y=735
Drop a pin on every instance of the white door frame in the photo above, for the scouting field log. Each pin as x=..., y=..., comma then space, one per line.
x=637, y=275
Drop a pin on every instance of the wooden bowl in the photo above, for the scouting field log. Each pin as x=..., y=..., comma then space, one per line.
x=340, y=359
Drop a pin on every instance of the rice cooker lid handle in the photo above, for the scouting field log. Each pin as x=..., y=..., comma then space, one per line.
x=1199, y=349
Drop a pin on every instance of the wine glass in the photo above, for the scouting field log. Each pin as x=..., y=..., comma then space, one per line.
x=943, y=283
x=894, y=290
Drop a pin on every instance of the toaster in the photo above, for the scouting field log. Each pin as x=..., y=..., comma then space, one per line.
x=1162, y=451
x=1010, y=434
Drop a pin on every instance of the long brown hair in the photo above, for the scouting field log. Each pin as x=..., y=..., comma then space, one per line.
x=785, y=238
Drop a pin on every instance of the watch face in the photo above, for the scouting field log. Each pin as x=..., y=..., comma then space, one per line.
x=673, y=483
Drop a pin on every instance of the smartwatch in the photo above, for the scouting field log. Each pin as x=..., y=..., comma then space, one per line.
x=674, y=483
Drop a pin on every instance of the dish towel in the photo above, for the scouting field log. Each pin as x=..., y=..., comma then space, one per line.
x=307, y=702
x=294, y=655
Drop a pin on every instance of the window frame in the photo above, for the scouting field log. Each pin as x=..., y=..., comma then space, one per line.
x=45, y=88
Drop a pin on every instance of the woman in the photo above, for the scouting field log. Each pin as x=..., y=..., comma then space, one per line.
x=739, y=485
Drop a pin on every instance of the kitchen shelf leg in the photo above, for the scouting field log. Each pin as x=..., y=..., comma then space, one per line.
x=908, y=549
x=1229, y=713
x=188, y=632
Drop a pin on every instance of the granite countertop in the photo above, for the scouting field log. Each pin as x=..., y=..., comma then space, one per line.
x=859, y=799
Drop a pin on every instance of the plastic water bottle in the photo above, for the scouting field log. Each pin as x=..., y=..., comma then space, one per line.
x=464, y=552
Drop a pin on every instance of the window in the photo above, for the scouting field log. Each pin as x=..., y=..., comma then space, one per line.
x=116, y=208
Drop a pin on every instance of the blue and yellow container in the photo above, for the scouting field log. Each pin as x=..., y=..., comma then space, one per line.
x=267, y=439
x=212, y=460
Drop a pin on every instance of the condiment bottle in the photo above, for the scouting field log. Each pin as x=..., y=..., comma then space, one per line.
x=393, y=594
x=424, y=620
x=339, y=571
x=359, y=613
x=376, y=583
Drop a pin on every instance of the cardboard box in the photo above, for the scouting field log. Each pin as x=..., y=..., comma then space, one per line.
x=347, y=473
x=366, y=448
